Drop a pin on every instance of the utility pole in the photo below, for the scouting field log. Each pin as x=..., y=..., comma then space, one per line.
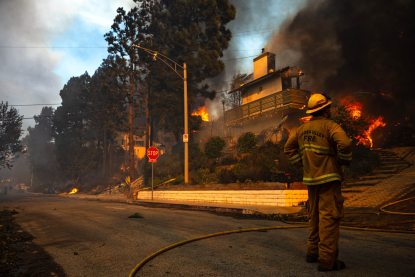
x=186, y=127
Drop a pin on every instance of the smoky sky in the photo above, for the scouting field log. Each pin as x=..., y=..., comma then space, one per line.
x=252, y=27
x=363, y=49
x=26, y=74
x=38, y=47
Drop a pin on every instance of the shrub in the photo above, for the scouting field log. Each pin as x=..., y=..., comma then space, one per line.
x=203, y=176
x=214, y=147
x=246, y=143
x=227, y=176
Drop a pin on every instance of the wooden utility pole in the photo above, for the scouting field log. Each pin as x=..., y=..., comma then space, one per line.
x=186, y=128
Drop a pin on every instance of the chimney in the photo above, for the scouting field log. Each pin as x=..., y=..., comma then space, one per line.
x=264, y=64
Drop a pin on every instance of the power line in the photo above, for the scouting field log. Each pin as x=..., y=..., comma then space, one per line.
x=240, y=58
x=29, y=105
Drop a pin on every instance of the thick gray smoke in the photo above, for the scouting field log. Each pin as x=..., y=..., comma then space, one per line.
x=364, y=49
x=253, y=25
x=26, y=72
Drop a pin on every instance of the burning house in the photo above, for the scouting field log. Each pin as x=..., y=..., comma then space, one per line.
x=269, y=97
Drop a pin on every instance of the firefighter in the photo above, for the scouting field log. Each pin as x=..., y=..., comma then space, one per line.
x=322, y=148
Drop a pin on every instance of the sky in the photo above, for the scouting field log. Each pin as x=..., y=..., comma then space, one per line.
x=46, y=42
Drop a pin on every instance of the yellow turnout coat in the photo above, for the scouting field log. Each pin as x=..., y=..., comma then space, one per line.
x=321, y=146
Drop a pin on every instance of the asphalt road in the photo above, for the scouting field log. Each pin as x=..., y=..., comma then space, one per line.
x=92, y=238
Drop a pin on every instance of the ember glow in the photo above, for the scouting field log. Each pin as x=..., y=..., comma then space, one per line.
x=366, y=138
x=202, y=112
x=73, y=191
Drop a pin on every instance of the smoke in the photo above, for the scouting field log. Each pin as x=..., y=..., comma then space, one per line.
x=353, y=47
x=252, y=27
x=25, y=74
x=32, y=72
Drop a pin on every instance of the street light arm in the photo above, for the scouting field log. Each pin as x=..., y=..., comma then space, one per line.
x=166, y=60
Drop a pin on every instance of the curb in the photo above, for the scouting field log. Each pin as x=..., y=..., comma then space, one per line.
x=194, y=207
x=239, y=212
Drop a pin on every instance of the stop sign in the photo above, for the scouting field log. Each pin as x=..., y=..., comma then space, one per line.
x=152, y=154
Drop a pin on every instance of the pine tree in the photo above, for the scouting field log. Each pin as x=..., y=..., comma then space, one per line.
x=10, y=131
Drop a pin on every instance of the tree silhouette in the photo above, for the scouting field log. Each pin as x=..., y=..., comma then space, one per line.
x=10, y=131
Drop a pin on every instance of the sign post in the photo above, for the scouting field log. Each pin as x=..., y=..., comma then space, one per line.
x=152, y=155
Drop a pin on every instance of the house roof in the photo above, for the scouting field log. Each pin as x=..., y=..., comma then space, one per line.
x=259, y=80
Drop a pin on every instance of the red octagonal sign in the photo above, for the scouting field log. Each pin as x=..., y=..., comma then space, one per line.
x=152, y=154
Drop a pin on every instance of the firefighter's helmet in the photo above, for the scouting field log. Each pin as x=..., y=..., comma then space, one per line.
x=317, y=102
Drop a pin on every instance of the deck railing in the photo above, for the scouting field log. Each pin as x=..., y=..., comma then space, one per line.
x=290, y=98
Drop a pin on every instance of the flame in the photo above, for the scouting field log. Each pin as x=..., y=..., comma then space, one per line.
x=366, y=138
x=354, y=108
x=202, y=112
x=73, y=191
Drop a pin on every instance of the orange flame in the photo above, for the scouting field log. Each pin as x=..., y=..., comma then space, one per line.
x=73, y=191
x=355, y=110
x=202, y=112
x=366, y=138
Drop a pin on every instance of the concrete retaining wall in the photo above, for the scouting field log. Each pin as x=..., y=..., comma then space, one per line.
x=278, y=198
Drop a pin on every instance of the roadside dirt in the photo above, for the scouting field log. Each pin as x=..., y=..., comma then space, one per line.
x=19, y=256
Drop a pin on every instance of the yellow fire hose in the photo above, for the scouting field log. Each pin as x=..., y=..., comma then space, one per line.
x=394, y=203
x=263, y=229
x=180, y=243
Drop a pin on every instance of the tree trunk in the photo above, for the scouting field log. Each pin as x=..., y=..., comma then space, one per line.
x=131, y=164
x=104, y=156
x=148, y=141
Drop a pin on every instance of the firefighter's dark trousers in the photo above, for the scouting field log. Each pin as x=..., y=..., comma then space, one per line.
x=325, y=212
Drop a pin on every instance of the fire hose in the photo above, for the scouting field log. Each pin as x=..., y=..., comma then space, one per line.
x=383, y=208
x=180, y=243
x=141, y=264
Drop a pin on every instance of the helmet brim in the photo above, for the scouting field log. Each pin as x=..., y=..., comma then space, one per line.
x=310, y=111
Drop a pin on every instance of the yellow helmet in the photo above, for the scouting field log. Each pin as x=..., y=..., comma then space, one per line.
x=317, y=102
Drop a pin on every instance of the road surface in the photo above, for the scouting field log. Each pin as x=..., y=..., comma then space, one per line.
x=92, y=238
